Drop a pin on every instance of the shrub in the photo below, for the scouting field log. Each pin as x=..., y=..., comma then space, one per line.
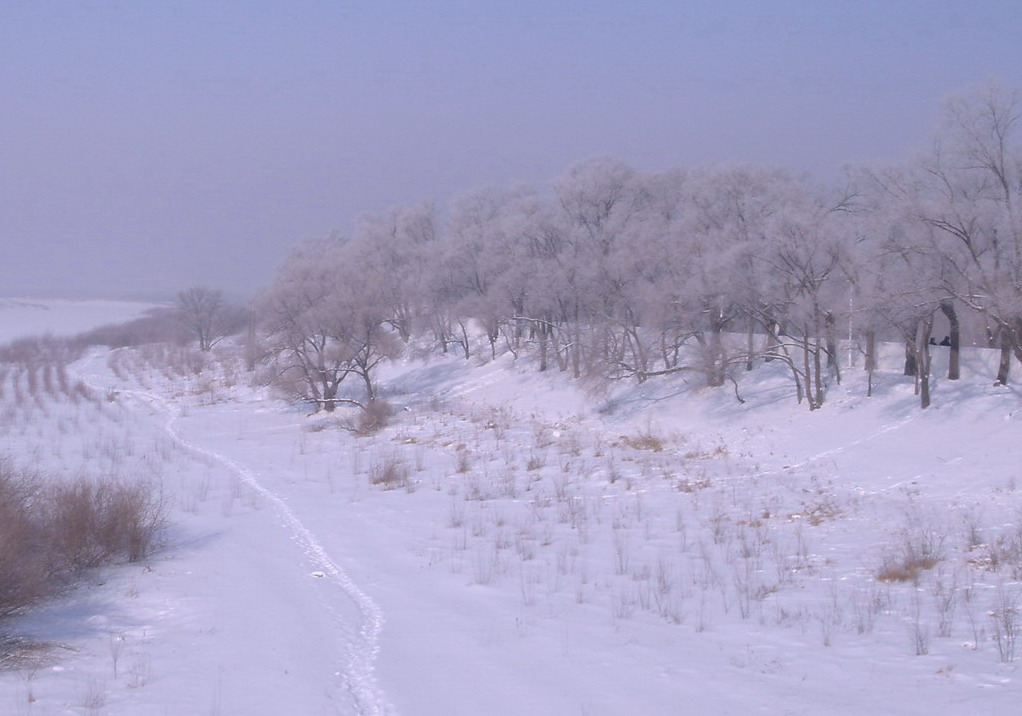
x=904, y=569
x=643, y=440
x=25, y=576
x=374, y=417
x=94, y=522
x=40, y=350
x=921, y=549
x=389, y=472
x=158, y=325
x=50, y=535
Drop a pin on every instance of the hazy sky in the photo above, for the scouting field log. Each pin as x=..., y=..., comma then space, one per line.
x=150, y=145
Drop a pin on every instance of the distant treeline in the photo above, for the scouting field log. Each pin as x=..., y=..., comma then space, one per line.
x=636, y=274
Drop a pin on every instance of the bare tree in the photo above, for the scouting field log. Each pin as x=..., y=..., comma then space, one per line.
x=972, y=196
x=395, y=247
x=306, y=363
x=806, y=260
x=207, y=316
x=326, y=318
x=619, y=273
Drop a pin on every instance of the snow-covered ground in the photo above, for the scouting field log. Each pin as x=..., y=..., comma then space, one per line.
x=516, y=543
x=21, y=317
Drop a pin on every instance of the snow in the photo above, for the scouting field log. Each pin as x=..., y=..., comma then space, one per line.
x=550, y=547
x=20, y=317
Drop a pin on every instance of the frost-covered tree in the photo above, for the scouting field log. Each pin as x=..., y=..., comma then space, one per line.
x=641, y=335
x=596, y=202
x=326, y=318
x=905, y=275
x=481, y=267
x=971, y=194
x=805, y=259
x=868, y=215
x=395, y=248
x=914, y=296
x=620, y=273
x=732, y=232
x=206, y=314
x=305, y=360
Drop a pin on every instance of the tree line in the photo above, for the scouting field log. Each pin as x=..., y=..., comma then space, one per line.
x=626, y=274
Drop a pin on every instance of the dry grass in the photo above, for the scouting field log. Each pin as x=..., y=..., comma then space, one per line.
x=921, y=549
x=373, y=418
x=19, y=653
x=94, y=522
x=390, y=473
x=716, y=453
x=693, y=484
x=50, y=534
x=23, y=561
x=463, y=461
x=904, y=570
x=643, y=440
x=816, y=513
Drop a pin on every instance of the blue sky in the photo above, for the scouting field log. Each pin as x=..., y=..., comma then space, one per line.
x=150, y=146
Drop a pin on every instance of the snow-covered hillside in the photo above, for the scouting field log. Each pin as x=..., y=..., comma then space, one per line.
x=517, y=543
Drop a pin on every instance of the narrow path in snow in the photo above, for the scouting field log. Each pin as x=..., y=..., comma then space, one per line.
x=358, y=674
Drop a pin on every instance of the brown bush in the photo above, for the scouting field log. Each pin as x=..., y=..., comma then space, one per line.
x=41, y=350
x=95, y=522
x=24, y=577
x=390, y=473
x=374, y=417
x=158, y=325
x=50, y=535
x=643, y=440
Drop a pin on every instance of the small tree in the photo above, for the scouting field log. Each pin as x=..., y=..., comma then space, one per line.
x=326, y=317
x=205, y=313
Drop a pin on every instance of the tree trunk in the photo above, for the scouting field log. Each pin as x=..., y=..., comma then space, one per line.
x=955, y=336
x=251, y=345
x=370, y=392
x=1004, y=366
x=833, y=362
x=492, y=334
x=403, y=322
x=749, y=343
x=464, y=338
x=541, y=330
x=923, y=351
x=992, y=334
x=870, y=363
x=769, y=342
x=806, y=369
x=830, y=330
x=871, y=351
x=715, y=369
x=576, y=346
x=910, y=359
x=328, y=393
x=669, y=351
x=441, y=336
x=559, y=355
x=818, y=365
x=1016, y=338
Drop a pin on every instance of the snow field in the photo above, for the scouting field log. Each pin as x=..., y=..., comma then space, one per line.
x=568, y=523
x=21, y=317
x=530, y=548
